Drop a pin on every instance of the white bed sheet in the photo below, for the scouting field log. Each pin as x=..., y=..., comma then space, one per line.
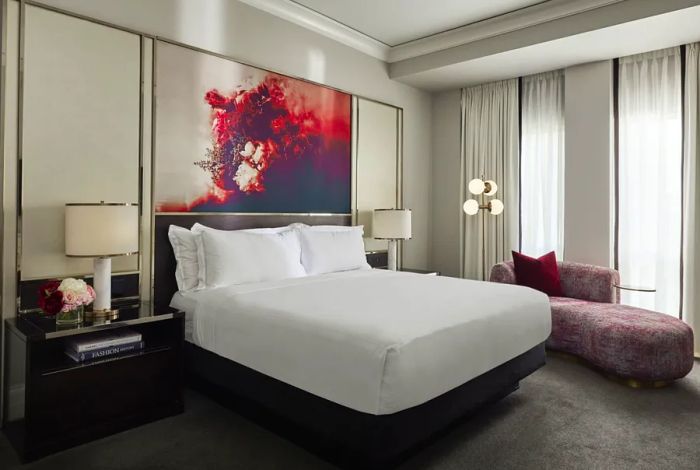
x=186, y=302
x=375, y=341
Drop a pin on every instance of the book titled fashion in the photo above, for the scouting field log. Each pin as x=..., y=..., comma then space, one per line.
x=105, y=352
x=94, y=341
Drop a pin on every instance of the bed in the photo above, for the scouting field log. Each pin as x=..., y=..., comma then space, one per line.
x=359, y=366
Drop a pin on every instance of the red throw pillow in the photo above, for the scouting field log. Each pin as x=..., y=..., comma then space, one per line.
x=539, y=273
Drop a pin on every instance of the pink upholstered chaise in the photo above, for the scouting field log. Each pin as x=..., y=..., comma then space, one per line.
x=629, y=342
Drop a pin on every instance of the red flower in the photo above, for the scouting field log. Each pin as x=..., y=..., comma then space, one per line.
x=49, y=287
x=54, y=303
x=50, y=298
x=215, y=99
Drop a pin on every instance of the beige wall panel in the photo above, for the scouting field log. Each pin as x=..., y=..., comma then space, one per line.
x=376, y=164
x=80, y=132
x=588, y=213
x=447, y=195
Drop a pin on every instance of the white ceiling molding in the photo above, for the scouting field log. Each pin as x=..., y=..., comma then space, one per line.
x=321, y=24
x=526, y=17
x=606, y=16
x=632, y=37
x=509, y=22
x=544, y=36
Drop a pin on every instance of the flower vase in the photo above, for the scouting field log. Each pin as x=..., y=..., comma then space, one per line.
x=71, y=317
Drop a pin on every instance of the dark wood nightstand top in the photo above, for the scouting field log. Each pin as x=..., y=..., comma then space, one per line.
x=38, y=327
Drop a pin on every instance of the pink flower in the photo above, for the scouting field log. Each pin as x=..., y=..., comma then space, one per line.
x=91, y=293
x=68, y=307
x=70, y=297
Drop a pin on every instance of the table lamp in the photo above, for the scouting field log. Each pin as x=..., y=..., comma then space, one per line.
x=102, y=231
x=391, y=225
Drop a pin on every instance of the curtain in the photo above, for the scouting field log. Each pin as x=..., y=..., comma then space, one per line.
x=691, y=207
x=490, y=150
x=649, y=179
x=542, y=164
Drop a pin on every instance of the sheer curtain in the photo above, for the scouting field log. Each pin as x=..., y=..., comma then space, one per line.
x=542, y=164
x=691, y=178
x=649, y=178
x=490, y=149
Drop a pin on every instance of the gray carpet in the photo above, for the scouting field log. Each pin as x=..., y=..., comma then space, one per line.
x=565, y=416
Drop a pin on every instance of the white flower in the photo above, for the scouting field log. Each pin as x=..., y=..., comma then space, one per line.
x=246, y=175
x=248, y=150
x=75, y=291
x=258, y=154
x=71, y=284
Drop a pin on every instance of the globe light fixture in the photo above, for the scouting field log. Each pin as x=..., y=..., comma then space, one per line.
x=471, y=206
x=490, y=188
x=477, y=186
x=495, y=206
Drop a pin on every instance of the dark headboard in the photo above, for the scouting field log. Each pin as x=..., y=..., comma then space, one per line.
x=164, y=285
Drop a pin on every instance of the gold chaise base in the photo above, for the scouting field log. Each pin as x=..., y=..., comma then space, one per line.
x=632, y=383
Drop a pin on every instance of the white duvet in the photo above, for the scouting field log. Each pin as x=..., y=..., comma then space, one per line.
x=375, y=341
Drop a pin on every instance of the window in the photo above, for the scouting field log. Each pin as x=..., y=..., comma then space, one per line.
x=542, y=164
x=649, y=188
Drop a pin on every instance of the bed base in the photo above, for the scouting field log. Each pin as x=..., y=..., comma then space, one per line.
x=343, y=436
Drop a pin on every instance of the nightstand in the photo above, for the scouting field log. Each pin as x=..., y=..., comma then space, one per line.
x=52, y=402
x=377, y=259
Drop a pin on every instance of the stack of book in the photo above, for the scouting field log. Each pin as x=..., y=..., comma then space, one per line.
x=102, y=345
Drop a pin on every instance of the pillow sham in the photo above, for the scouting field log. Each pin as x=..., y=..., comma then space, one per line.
x=240, y=257
x=185, y=247
x=327, y=251
x=198, y=228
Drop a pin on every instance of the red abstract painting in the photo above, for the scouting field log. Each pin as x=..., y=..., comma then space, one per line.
x=278, y=144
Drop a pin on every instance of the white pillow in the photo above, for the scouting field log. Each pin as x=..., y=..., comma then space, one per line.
x=327, y=251
x=197, y=227
x=333, y=228
x=240, y=257
x=188, y=274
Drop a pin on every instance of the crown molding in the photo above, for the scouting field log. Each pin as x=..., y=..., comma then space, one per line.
x=531, y=16
x=527, y=17
x=314, y=21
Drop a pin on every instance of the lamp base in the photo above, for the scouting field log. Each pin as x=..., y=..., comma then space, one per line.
x=101, y=316
x=392, y=255
x=102, y=282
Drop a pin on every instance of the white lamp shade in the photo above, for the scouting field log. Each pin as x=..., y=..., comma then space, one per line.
x=476, y=186
x=392, y=224
x=471, y=206
x=94, y=230
x=493, y=188
x=496, y=206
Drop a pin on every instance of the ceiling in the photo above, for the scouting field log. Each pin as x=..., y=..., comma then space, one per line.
x=446, y=44
x=647, y=34
x=395, y=22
